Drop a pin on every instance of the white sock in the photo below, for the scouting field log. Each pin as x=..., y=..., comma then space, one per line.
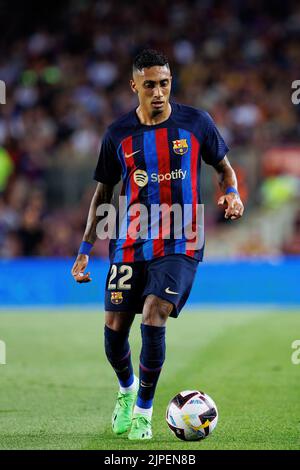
x=132, y=388
x=143, y=411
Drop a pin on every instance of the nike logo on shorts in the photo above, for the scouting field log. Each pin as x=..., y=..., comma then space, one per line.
x=168, y=291
x=128, y=155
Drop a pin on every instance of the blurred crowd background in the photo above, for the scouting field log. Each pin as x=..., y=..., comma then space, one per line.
x=67, y=65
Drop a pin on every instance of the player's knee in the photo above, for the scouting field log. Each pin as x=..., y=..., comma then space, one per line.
x=110, y=322
x=156, y=311
x=116, y=321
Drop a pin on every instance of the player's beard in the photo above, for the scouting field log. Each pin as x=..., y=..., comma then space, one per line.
x=156, y=112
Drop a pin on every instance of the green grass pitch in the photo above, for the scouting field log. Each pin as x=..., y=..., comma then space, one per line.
x=57, y=391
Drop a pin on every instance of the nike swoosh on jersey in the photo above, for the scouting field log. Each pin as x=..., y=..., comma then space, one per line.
x=168, y=291
x=128, y=155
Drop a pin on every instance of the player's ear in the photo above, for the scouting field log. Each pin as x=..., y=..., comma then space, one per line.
x=133, y=86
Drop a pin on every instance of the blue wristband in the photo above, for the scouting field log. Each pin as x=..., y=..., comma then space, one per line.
x=231, y=189
x=85, y=248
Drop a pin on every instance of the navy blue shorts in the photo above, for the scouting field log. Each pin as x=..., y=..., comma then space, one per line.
x=169, y=277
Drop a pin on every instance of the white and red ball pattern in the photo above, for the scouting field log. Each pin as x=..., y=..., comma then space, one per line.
x=192, y=415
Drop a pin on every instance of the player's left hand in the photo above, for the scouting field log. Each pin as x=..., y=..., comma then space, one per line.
x=234, y=206
x=79, y=268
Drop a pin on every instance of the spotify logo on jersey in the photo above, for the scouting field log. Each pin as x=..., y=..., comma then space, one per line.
x=140, y=178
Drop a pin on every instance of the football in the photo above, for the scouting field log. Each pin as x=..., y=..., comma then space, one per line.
x=192, y=415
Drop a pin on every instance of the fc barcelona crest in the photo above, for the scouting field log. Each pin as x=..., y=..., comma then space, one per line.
x=116, y=297
x=180, y=146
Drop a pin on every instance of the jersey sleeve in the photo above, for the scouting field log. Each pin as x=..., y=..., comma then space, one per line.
x=214, y=147
x=108, y=169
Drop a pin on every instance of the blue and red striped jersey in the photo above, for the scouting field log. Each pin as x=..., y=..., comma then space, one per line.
x=159, y=165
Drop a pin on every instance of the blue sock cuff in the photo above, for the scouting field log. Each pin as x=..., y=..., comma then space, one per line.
x=144, y=403
x=127, y=383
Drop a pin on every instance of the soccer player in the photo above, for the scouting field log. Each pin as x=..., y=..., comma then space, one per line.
x=156, y=149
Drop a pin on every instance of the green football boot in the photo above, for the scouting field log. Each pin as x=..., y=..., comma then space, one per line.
x=122, y=414
x=140, y=429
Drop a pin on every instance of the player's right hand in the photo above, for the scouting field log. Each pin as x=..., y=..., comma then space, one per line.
x=79, y=266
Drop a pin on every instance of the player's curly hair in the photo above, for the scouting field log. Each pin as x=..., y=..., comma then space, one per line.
x=149, y=58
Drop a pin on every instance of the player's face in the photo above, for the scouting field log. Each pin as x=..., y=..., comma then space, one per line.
x=153, y=86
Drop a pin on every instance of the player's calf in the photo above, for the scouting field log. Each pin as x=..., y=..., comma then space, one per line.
x=118, y=353
x=151, y=361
